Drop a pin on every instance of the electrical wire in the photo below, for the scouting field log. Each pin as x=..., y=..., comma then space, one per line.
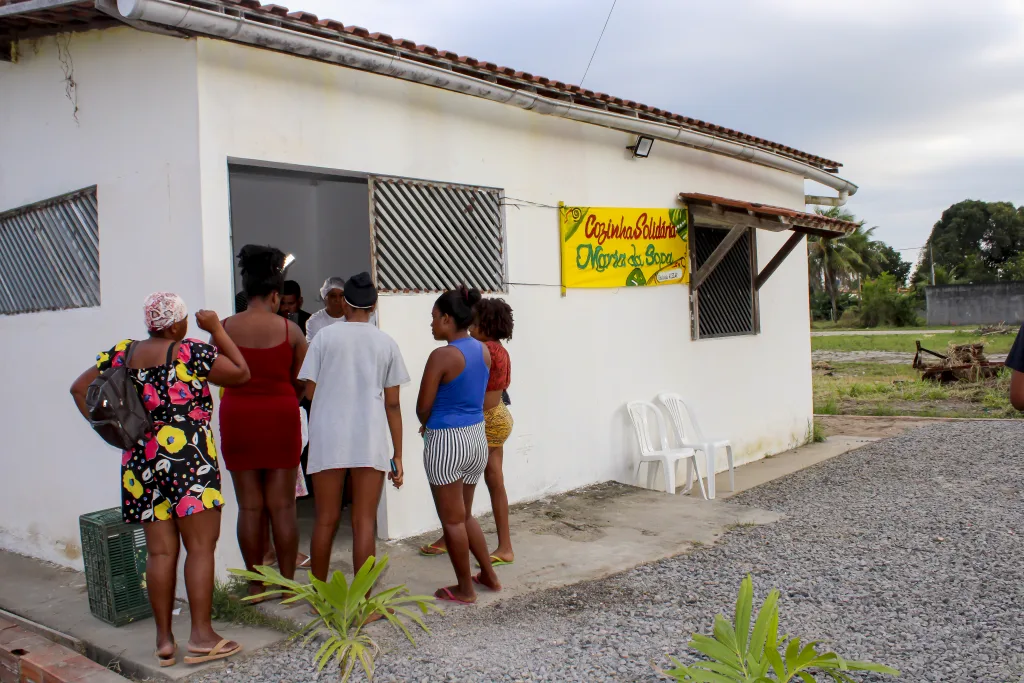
x=598, y=43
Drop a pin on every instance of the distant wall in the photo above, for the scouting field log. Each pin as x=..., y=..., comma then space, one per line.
x=975, y=304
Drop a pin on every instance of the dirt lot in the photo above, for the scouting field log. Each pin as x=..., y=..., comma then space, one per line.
x=871, y=425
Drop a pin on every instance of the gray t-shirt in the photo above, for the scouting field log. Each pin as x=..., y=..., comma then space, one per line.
x=351, y=364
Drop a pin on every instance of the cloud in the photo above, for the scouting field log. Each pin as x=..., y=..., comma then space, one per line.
x=921, y=99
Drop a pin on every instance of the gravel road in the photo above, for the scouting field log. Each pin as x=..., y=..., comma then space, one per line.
x=907, y=551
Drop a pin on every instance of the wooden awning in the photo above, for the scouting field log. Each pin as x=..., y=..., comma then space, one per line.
x=729, y=212
x=738, y=216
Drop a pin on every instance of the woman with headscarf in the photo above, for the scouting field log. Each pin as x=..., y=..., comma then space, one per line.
x=333, y=294
x=260, y=425
x=170, y=481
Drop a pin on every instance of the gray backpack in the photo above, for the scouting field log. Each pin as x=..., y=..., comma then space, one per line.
x=116, y=411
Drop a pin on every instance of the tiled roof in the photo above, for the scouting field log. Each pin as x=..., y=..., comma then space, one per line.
x=77, y=14
x=776, y=214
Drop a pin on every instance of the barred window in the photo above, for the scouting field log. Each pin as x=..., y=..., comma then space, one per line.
x=429, y=237
x=50, y=254
x=725, y=303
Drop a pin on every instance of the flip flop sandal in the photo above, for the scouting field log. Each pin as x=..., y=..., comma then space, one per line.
x=498, y=562
x=305, y=563
x=165, y=662
x=214, y=654
x=476, y=580
x=450, y=597
x=432, y=550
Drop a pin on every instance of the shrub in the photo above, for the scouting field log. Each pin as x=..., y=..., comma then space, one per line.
x=343, y=610
x=882, y=304
x=738, y=655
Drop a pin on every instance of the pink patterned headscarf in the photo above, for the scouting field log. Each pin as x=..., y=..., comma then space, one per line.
x=163, y=309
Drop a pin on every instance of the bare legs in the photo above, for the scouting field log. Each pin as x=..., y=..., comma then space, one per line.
x=463, y=535
x=199, y=532
x=367, y=485
x=161, y=571
x=266, y=500
x=495, y=480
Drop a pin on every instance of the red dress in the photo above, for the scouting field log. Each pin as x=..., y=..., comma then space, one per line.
x=259, y=421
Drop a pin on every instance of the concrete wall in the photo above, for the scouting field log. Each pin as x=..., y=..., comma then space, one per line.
x=136, y=138
x=975, y=304
x=576, y=359
x=324, y=223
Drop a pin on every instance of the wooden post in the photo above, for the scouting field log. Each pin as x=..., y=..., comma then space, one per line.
x=717, y=255
x=777, y=260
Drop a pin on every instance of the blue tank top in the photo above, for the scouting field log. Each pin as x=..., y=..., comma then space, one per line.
x=460, y=402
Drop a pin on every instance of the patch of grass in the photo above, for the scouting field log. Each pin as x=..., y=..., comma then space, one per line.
x=828, y=325
x=999, y=343
x=228, y=606
x=888, y=390
x=818, y=432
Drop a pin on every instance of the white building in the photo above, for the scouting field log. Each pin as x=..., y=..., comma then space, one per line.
x=192, y=124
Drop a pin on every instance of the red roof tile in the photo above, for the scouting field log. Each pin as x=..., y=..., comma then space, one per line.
x=812, y=221
x=85, y=12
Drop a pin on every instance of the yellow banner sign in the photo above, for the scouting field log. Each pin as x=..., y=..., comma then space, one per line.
x=607, y=247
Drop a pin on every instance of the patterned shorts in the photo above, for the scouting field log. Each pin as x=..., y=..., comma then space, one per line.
x=498, y=424
x=455, y=453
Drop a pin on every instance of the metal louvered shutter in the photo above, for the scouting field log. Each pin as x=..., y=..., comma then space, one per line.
x=50, y=254
x=429, y=237
x=724, y=304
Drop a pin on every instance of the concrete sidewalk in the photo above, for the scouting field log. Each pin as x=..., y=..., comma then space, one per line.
x=578, y=536
x=56, y=598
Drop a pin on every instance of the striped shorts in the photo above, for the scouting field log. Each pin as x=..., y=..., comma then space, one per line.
x=455, y=453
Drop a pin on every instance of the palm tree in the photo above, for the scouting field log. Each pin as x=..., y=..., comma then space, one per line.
x=835, y=261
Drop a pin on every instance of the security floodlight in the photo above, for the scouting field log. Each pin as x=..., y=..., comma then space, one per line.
x=642, y=148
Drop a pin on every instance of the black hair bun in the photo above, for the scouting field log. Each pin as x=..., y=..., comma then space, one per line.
x=262, y=269
x=260, y=261
x=473, y=297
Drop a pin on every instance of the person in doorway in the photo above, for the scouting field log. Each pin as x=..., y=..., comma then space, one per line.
x=291, y=304
x=493, y=324
x=170, y=481
x=259, y=422
x=450, y=408
x=353, y=374
x=333, y=294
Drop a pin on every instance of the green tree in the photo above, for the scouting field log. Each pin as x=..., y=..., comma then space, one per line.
x=975, y=240
x=888, y=260
x=833, y=262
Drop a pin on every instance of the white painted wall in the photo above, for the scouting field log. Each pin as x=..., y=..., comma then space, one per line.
x=136, y=137
x=576, y=360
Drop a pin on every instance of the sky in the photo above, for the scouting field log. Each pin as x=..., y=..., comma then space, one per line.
x=921, y=100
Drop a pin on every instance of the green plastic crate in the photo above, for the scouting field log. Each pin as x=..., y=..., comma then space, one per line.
x=115, y=567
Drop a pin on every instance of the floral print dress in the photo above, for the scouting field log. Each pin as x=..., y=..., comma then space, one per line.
x=173, y=471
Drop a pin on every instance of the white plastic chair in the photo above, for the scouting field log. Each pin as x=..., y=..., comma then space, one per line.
x=646, y=416
x=693, y=438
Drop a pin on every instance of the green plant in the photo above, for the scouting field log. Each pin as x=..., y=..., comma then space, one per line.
x=818, y=433
x=343, y=610
x=228, y=605
x=738, y=655
x=882, y=304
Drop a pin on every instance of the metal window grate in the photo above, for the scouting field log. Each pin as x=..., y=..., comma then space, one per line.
x=50, y=254
x=724, y=304
x=429, y=237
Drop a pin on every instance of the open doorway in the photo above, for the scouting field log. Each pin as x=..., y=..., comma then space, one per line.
x=323, y=221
